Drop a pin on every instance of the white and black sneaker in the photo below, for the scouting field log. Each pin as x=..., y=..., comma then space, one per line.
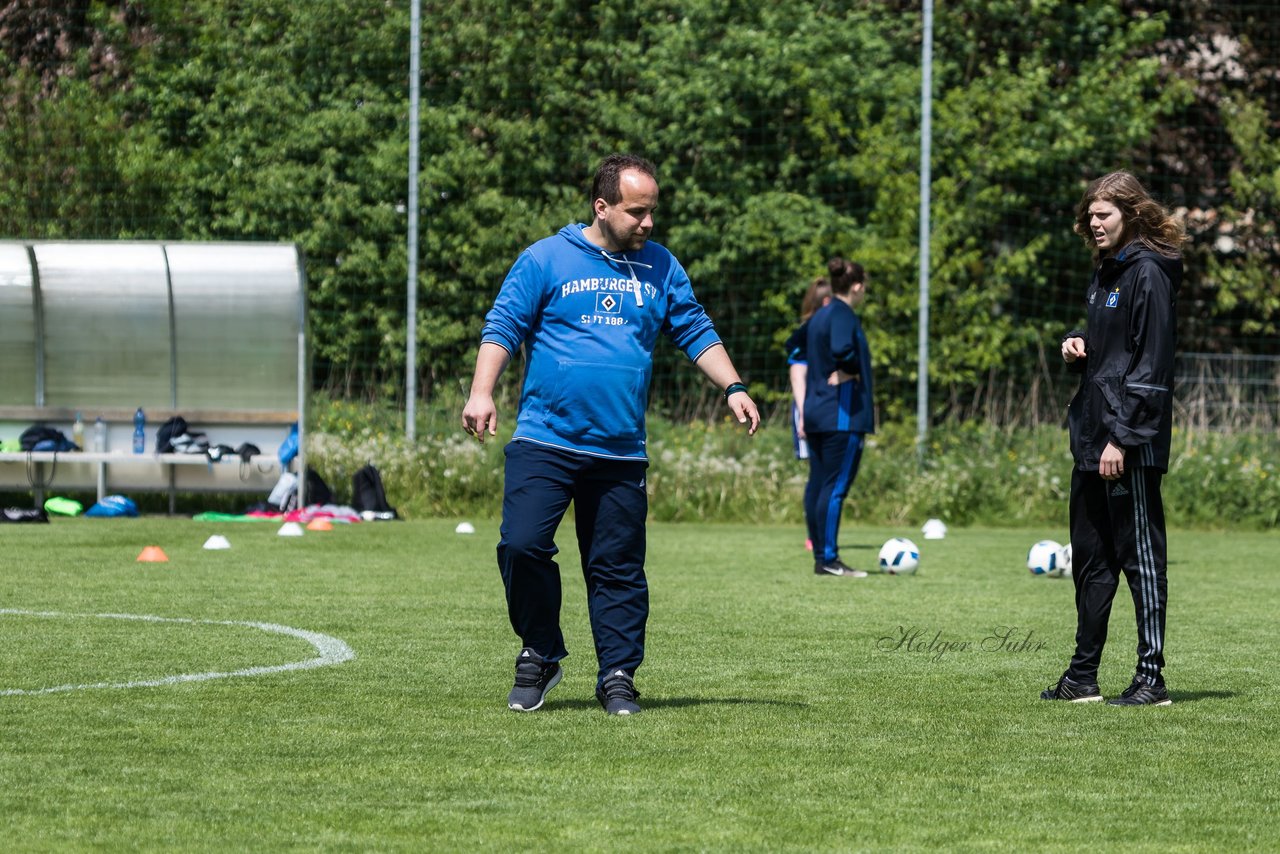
x=618, y=694
x=535, y=676
x=837, y=567
x=1072, y=691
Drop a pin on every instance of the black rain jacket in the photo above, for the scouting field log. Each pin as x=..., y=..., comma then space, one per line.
x=1126, y=384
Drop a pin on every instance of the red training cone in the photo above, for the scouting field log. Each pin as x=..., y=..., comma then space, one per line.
x=153, y=554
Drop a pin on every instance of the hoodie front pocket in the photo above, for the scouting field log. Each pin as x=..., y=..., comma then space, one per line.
x=598, y=401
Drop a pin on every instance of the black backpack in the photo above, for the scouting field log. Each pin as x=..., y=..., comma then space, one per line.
x=176, y=437
x=175, y=426
x=318, y=492
x=40, y=437
x=368, y=497
x=284, y=496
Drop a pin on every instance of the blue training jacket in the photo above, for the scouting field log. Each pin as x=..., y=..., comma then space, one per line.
x=590, y=320
x=834, y=339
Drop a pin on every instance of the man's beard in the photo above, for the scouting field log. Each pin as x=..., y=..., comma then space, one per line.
x=628, y=243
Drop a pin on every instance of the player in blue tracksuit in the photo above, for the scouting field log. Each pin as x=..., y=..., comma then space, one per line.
x=838, y=411
x=818, y=295
x=587, y=305
x=1121, y=422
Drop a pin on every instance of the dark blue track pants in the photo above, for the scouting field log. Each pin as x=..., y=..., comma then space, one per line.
x=833, y=464
x=1118, y=526
x=610, y=506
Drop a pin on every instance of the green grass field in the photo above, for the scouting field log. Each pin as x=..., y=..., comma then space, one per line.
x=780, y=713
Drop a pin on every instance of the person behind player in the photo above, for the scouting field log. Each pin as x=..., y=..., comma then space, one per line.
x=588, y=304
x=817, y=295
x=1120, y=423
x=838, y=412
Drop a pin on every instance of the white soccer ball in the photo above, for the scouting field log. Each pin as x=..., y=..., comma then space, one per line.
x=1066, y=561
x=899, y=556
x=1045, y=558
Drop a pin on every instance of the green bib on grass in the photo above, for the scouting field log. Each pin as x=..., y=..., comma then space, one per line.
x=63, y=506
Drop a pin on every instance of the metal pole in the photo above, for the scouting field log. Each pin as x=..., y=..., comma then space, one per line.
x=926, y=145
x=304, y=378
x=411, y=309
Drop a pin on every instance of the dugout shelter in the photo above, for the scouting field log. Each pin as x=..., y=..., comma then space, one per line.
x=214, y=332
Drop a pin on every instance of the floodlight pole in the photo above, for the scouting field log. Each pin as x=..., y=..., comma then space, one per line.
x=411, y=286
x=926, y=145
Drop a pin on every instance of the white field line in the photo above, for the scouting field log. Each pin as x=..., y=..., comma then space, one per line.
x=330, y=650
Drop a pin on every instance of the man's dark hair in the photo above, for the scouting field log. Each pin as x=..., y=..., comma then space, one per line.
x=605, y=185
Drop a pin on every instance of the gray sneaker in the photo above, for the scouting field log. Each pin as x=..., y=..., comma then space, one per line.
x=535, y=676
x=618, y=694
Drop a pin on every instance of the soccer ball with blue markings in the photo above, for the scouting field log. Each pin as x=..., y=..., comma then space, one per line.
x=1045, y=558
x=899, y=557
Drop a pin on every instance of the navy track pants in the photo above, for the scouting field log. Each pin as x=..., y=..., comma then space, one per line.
x=610, y=507
x=833, y=465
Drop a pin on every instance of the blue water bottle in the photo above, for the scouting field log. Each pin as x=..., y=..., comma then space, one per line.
x=139, y=431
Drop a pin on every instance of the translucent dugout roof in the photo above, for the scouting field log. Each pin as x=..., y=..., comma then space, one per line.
x=182, y=326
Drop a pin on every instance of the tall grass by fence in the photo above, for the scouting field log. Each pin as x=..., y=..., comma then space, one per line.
x=973, y=472
x=1228, y=392
x=1213, y=392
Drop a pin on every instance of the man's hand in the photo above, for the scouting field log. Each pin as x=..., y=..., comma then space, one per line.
x=1111, y=464
x=1072, y=349
x=480, y=415
x=715, y=363
x=744, y=409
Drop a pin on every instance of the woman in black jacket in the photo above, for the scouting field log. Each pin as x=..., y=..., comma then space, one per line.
x=1120, y=421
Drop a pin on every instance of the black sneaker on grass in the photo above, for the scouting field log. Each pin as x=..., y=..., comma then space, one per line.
x=1139, y=693
x=618, y=694
x=535, y=676
x=837, y=567
x=1072, y=691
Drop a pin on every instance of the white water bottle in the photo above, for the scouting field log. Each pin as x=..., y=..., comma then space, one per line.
x=99, y=435
x=77, y=432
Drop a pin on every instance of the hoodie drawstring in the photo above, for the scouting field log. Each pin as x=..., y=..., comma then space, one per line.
x=631, y=265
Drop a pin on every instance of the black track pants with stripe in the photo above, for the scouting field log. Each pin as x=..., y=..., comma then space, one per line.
x=1118, y=526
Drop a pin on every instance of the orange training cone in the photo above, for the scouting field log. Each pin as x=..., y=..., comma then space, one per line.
x=153, y=554
x=319, y=525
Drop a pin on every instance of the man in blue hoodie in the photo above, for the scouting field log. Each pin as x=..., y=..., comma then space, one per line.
x=587, y=305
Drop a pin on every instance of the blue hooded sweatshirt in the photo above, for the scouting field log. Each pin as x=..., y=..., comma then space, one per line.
x=591, y=319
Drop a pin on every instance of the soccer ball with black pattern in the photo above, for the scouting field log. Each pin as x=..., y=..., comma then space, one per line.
x=899, y=556
x=1045, y=558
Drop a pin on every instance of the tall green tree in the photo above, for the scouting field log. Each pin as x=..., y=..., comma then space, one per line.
x=783, y=135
